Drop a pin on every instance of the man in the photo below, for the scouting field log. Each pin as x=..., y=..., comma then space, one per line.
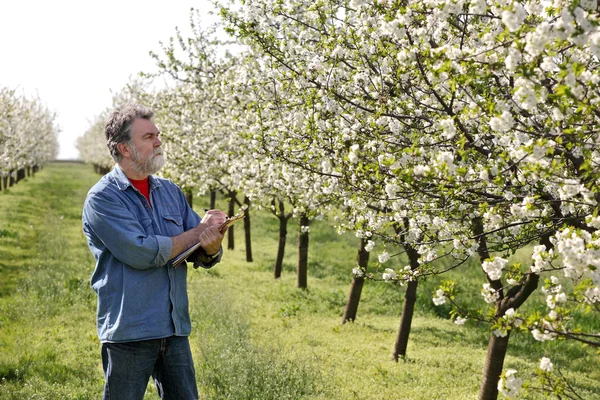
x=135, y=223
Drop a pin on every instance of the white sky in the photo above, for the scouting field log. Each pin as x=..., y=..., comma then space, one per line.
x=73, y=52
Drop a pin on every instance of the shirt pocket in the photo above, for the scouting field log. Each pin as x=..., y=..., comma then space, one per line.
x=173, y=224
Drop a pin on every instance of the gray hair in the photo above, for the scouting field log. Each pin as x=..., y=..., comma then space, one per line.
x=118, y=126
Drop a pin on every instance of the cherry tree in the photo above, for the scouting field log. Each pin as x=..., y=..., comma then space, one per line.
x=473, y=124
x=28, y=136
x=206, y=120
x=202, y=151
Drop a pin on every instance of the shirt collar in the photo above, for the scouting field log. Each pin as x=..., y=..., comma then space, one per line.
x=123, y=182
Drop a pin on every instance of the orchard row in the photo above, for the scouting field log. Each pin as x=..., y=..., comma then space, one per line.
x=28, y=137
x=448, y=129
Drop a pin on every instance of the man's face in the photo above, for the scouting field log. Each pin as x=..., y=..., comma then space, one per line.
x=146, y=152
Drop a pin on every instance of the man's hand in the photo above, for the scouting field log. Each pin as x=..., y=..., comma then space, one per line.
x=210, y=237
x=214, y=218
x=206, y=232
x=210, y=240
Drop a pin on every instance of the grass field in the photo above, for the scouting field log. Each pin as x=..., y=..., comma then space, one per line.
x=253, y=337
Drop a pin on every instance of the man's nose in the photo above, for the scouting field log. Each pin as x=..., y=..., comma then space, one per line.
x=157, y=142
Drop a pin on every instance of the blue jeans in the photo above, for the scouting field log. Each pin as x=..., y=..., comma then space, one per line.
x=128, y=366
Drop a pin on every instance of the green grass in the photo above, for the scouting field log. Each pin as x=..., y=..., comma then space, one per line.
x=253, y=337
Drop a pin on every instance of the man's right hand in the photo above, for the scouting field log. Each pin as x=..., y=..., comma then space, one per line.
x=206, y=232
x=214, y=218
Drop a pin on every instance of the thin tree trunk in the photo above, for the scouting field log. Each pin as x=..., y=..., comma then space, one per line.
x=11, y=179
x=494, y=362
x=513, y=298
x=28, y=171
x=303, y=253
x=247, y=230
x=408, y=308
x=5, y=182
x=231, y=213
x=283, y=220
x=213, y=199
x=189, y=197
x=35, y=169
x=362, y=259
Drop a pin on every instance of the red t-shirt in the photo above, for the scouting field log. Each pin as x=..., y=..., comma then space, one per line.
x=143, y=186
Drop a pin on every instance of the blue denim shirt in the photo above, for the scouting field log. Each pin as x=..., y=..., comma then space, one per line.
x=140, y=295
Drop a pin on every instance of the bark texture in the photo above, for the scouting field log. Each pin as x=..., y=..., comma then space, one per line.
x=231, y=213
x=20, y=174
x=362, y=259
x=408, y=308
x=303, y=253
x=213, y=199
x=494, y=362
x=247, y=233
x=283, y=221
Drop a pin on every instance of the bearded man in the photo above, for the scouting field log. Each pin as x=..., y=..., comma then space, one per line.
x=135, y=223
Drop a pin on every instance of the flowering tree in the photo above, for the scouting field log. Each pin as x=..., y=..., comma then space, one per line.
x=209, y=117
x=202, y=150
x=473, y=125
x=28, y=136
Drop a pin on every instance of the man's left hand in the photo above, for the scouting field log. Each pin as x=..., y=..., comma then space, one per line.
x=210, y=240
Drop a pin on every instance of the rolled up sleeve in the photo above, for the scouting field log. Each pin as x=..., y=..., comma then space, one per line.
x=198, y=263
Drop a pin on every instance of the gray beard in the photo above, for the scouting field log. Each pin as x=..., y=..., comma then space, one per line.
x=147, y=165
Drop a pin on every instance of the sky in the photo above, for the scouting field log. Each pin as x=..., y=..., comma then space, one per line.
x=71, y=54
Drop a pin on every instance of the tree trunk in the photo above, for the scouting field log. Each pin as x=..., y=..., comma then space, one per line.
x=5, y=182
x=494, y=361
x=303, y=253
x=247, y=230
x=35, y=169
x=28, y=171
x=408, y=308
x=231, y=213
x=362, y=260
x=189, y=197
x=283, y=220
x=213, y=199
x=11, y=179
x=20, y=174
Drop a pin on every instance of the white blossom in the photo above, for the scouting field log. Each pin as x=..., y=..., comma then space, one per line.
x=513, y=18
x=489, y=294
x=383, y=257
x=509, y=385
x=440, y=297
x=546, y=365
x=494, y=267
x=389, y=274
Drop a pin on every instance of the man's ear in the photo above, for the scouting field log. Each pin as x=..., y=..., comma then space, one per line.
x=124, y=149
